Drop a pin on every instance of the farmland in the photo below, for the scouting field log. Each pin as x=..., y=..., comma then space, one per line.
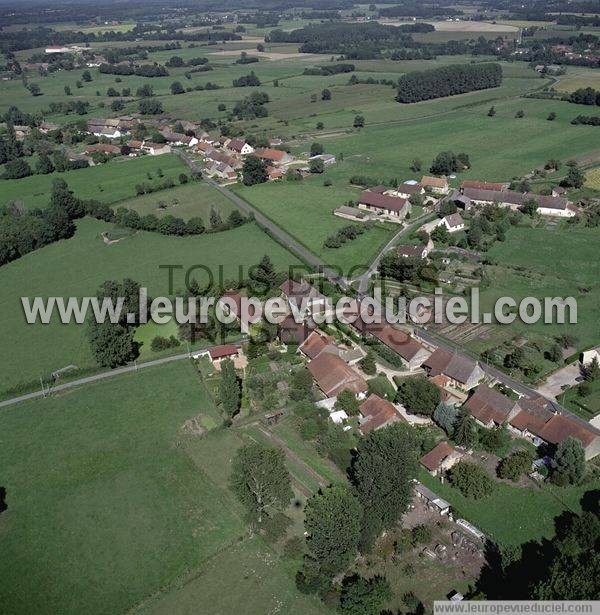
x=105, y=479
x=77, y=266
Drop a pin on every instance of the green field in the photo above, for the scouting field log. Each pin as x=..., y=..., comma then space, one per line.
x=547, y=262
x=512, y=515
x=108, y=183
x=110, y=503
x=77, y=266
x=186, y=201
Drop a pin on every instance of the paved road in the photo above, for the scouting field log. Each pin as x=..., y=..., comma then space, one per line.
x=95, y=378
x=284, y=238
x=366, y=276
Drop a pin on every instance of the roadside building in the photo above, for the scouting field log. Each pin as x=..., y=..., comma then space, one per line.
x=376, y=413
x=333, y=375
x=395, y=208
x=490, y=408
x=438, y=185
x=441, y=458
x=462, y=371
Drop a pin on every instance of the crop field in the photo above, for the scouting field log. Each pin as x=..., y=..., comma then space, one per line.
x=578, y=77
x=106, y=478
x=77, y=266
x=592, y=179
x=108, y=183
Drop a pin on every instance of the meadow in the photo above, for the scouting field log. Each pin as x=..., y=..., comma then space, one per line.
x=77, y=266
x=111, y=505
x=108, y=183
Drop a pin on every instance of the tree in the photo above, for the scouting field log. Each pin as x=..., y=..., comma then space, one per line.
x=592, y=371
x=383, y=469
x=177, y=88
x=332, y=521
x=44, y=165
x=359, y=121
x=555, y=354
x=229, y=389
x=529, y=207
x=471, y=479
x=316, y=166
x=465, y=433
x=67, y=90
x=254, y=171
x=551, y=116
x=260, y=47
x=449, y=162
x=515, y=465
x=491, y=112
x=16, y=169
x=12, y=148
x=35, y=89
x=575, y=177
x=368, y=365
x=516, y=358
x=569, y=462
x=112, y=344
x=326, y=94
x=440, y=234
x=235, y=218
x=263, y=273
x=346, y=400
x=150, y=106
x=416, y=165
x=520, y=114
x=418, y=395
x=86, y=76
x=260, y=480
x=446, y=416
x=362, y=596
x=316, y=148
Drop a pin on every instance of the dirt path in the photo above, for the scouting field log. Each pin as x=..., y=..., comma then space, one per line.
x=289, y=453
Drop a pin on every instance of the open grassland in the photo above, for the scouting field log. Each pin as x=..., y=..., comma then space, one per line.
x=112, y=506
x=304, y=209
x=108, y=183
x=512, y=515
x=186, y=201
x=77, y=266
x=578, y=77
x=97, y=488
x=547, y=262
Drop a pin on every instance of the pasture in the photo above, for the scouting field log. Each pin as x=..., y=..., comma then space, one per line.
x=108, y=183
x=77, y=266
x=102, y=480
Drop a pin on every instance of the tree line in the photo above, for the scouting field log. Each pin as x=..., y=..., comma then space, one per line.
x=448, y=81
x=143, y=70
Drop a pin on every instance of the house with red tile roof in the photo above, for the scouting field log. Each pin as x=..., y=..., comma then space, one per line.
x=333, y=375
x=441, y=458
x=315, y=343
x=490, y=408
x=410, y=350
x=377, y=413
x=477, y=185
x=274, y=156
x=463, y=372
x=439, y=185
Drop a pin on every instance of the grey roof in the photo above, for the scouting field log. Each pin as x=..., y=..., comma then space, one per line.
x=454, y=220
x=496, y=196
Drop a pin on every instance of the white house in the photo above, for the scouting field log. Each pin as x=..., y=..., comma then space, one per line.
x=453, y=223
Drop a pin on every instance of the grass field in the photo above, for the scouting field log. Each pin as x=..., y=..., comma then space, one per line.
x=77, y=266
x=110, y=503
x=578, y=77
x=108, y=183
x=512, y=515
x=304, y=209
x=186, y=201
x=540, y=262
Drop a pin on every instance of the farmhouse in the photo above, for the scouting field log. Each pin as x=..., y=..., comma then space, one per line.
x=220, y=170
x=407, y=190
x=292, y=332
x=477, y=185
x=462, y=371
x=441, y=458
x=220, y=353
x=239, y=146
x=104, y=148
x=298, y=293
x=377, y=413
x=439, y=185
x=382, y=204
x=315, y=343
x=555, y=206
x=530, y=420
x=560, y=427
x=413, y=251
x=104, y=127
x=274, y=156
x=333, y=375
x=178, y=138
x=453, y=223
x=411, y=351
x=490, y=408
x=504, y=198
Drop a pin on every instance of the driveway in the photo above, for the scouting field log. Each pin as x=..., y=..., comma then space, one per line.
x=566, y=376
